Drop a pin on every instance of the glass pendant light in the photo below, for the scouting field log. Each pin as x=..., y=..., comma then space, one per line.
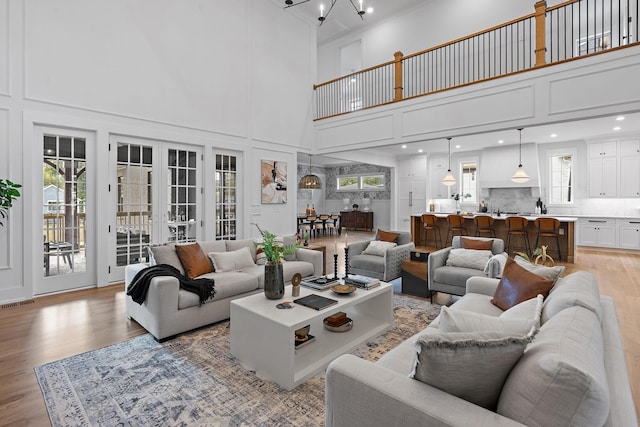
x=520, y=177
x=449, y=179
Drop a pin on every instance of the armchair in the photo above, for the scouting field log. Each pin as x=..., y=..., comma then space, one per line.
x=452, y=279
x=385, y=267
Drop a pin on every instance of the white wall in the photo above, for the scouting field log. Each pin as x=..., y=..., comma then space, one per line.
x=226, y=75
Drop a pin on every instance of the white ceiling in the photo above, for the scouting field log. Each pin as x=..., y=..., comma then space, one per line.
x=344, y=18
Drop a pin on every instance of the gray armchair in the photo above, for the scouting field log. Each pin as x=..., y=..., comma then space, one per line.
x=453, y=280
x=385, y=268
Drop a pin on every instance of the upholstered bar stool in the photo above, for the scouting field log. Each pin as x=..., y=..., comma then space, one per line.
x=484, y=225
x=429, y=224
x=517, y=226
x=548, y=227
x=456, y=226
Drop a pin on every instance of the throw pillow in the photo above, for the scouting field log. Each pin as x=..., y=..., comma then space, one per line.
x=484, y=245
x=469, y=258
x=552, y=273
x=194, y=261
x=232, y=260
x=166, y=254
x=469, y=321
x=378, y=247
x=261, y=257
x=387, y=236
x=518, y=284
x=529, y=309
x=472, y=366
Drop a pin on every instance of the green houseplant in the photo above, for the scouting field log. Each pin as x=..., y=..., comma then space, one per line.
x=8, y=193
x=275, y=252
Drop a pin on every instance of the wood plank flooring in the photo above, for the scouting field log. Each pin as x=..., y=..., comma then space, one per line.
x=61, y=325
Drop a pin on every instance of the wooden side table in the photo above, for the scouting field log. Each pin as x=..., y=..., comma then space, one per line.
x=414, y=278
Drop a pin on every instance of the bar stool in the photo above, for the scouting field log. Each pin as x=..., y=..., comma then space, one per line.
x=517, y=226
x=484, y=225
x=548, y=227
x=456, y=226
x=429, y=224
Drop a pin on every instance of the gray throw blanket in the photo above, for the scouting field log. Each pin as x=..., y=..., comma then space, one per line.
x=140, y=284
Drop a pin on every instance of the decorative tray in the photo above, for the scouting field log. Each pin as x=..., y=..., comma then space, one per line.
x=343, y=289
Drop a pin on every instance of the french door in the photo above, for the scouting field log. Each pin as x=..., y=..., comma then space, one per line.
x=156, y=195
x=65, y=240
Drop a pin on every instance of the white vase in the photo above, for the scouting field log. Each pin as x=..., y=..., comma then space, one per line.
x=366, y=202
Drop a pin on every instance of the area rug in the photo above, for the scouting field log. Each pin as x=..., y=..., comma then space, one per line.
x=193, y=380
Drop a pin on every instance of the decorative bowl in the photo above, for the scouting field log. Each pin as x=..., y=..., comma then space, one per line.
x=343, y=289
x=342, y=328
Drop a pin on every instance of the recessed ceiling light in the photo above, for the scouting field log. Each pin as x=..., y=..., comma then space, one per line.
x=404, y=145
x=620, y=118
x=369, y=10
x=420, y=150
x=501, y=141
x=553, y=135
x=617, y=128
x=457, y=146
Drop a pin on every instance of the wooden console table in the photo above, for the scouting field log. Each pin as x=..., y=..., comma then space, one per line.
x=357, y=220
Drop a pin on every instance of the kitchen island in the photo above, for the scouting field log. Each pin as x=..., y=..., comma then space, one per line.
x=567, y=228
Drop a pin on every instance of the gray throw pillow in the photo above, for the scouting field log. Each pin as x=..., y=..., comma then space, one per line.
x=166, y=254
x=549, y=273
x=472, y=366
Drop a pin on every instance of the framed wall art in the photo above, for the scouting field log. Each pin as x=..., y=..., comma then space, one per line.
x=273, y=176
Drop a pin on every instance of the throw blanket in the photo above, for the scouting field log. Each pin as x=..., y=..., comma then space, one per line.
x=140, y=284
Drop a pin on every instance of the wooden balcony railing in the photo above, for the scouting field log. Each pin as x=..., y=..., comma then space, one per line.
x=550, y=35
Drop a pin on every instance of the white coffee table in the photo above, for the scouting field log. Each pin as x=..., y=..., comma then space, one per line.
x=262, y=336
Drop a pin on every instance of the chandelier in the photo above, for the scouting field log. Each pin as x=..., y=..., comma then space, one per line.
x=310, y=181
x=323, y=16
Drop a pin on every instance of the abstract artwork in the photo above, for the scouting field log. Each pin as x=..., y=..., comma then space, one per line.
x=273, y=176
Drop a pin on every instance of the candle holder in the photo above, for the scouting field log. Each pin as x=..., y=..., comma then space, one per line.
x=335, y=266
x=346, y=262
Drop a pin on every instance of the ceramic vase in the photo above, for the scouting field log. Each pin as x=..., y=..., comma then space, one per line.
x=273, y=281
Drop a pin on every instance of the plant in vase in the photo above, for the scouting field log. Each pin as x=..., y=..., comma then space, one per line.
x=8, y=193
x=275, y=252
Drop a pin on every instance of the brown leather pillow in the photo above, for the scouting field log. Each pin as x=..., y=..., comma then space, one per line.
x=387, y=236
x=518, y=285
x=194, y=260
x=482, y=245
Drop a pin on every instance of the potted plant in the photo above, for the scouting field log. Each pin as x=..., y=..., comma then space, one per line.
x=275, y=252
x=8, y=193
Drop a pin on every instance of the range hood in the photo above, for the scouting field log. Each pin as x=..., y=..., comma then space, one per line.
x=498, y=164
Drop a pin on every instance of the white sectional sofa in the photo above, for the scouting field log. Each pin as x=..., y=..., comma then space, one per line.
x=169, y=310
x=572, y=373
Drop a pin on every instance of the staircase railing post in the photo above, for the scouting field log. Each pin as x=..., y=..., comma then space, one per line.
x=398, y=76
x=541, y=43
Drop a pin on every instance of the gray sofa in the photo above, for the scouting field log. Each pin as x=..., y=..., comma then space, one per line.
x=572, y=373
x=387, y=267
x=453, y=279
x=169, y=310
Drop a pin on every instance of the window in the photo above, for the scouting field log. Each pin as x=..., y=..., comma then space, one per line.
x=364, y=182
x=561, y=177
x=226, y=203
x=469, y=182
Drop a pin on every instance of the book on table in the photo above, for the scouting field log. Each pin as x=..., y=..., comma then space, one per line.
x=363, y=282
x=317, y=302
x=319, y=282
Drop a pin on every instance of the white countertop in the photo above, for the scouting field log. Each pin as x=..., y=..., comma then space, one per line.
x=502, y=216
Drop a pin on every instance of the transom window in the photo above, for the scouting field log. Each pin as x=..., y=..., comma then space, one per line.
x=363, y=182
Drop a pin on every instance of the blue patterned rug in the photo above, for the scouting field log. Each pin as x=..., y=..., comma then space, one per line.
x=193, y=380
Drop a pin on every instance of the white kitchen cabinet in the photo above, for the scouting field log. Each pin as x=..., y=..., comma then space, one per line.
x=602, y=149
x=629, y=168
x=628, y=233
x=438, y=167
x=603, y=174
x=597, y=232
x=412, y=190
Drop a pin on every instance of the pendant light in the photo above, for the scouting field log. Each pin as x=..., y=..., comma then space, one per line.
x=520, y=177
x=449, y=179
x=310, y=181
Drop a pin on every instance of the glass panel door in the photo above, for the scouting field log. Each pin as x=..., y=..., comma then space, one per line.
x=182, y=194
x=66, y=239
x=226, y=204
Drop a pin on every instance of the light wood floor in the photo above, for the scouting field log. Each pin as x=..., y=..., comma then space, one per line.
x=62, y=325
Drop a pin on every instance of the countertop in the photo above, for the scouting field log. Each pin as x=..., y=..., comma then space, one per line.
x=529, y=217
